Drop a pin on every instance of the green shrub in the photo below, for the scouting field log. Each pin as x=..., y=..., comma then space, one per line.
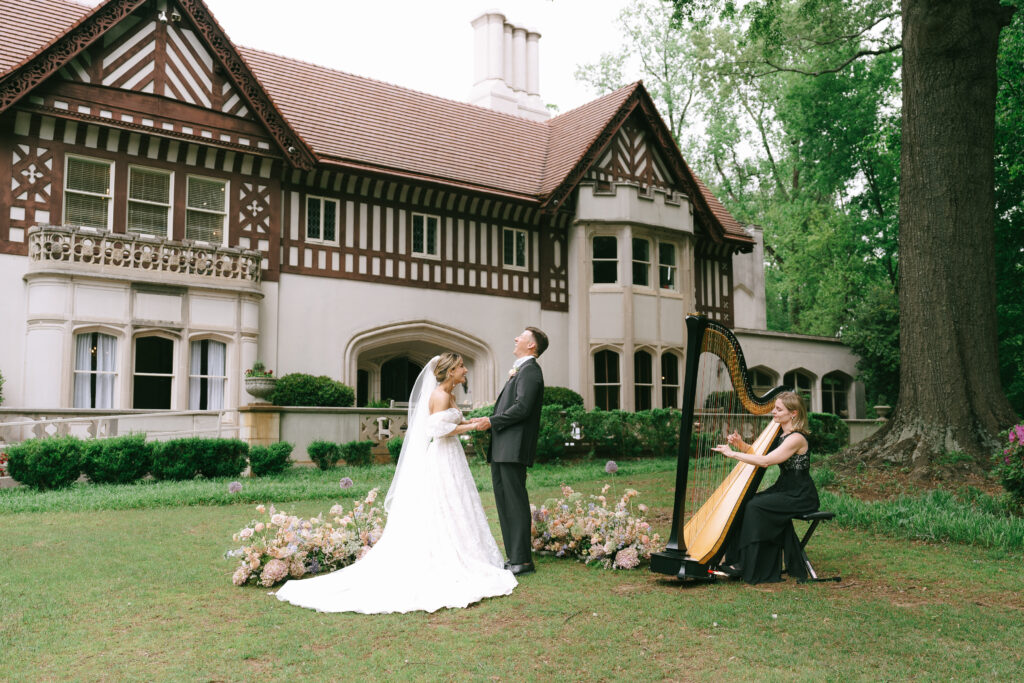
x=1, y=388
x=1009, y=464
x=395, y=447
x=724, y=401
x=272, y=459
x=118, y=460
x=175, y=460
x=829, y=434
x=42, y=464
x=220, y=457
x=298, y=389
x=658, y=430
x=480, y=439
x=357, y=453
x=611, y=434
x=378, y=404
x=324, y=453
x=560, y=396
x=554, y=431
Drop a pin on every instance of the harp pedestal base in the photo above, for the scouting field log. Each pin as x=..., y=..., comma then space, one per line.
x=677, y=564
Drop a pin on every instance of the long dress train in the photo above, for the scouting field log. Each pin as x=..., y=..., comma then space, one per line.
x=436, y=550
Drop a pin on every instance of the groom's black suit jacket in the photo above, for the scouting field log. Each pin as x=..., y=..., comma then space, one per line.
x=516, y=420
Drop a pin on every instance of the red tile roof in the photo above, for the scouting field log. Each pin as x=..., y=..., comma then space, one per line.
x=368, y=123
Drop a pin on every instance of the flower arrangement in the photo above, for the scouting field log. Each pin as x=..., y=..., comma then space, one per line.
x=258, y=369
x=278, y=546
x=1009, y=464
x=585, y=527
x=3, y=464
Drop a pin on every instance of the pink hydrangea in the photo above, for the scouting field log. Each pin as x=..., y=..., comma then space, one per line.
x=274, y=571
x=240, y=576
x=627, y=558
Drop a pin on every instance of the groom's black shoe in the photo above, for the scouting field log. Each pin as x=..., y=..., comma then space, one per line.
x=507, y=564
x=518, y=569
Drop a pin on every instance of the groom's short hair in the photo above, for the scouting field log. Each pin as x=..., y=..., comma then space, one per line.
x=540, y=338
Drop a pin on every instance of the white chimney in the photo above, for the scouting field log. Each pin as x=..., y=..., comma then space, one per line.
x=507, y=68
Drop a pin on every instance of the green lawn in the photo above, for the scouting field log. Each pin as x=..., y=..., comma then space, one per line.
x=145, y=594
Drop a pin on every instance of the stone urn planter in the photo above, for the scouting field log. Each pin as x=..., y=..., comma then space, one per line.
x=883, y=412
x=260, y=387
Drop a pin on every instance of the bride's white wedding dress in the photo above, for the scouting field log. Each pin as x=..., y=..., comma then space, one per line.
x=436, y=550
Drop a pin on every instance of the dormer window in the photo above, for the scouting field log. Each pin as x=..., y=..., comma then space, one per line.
x=321, y=220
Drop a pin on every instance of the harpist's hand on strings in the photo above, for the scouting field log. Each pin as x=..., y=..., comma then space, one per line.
x=724, y=450
x=736, y=441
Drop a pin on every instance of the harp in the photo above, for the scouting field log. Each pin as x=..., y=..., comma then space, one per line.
x=710, y=488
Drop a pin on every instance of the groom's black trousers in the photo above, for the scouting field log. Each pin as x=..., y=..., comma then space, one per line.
x=509, y=480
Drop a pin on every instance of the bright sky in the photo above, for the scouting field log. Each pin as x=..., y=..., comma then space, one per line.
x=423, y=45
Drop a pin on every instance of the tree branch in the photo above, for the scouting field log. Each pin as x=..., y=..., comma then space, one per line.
x=857, y=55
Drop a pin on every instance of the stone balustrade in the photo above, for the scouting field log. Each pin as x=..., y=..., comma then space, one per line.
x=51, y=245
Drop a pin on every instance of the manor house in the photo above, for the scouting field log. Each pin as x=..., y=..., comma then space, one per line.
x=174, y=207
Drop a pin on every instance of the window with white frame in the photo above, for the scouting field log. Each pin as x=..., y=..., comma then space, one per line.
x=425, y=240
x=206, y=209
x=643, y=381
x=153, y=380
x=514, y=247
x=321, y=219
x=149, y=201
x=606, y=380
x=641, y=262
x=88, y=191
x=95, y=370
x=801, y=383
x=667, y=265
x=669, y=380
x=207, y=374
x=606, y=259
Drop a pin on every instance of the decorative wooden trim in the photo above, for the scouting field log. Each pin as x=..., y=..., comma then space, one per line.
x=40, y=66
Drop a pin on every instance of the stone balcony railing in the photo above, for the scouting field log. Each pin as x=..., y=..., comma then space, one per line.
x=52, y=246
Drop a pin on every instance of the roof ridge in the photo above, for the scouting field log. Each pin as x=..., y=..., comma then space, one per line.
x=394, y=85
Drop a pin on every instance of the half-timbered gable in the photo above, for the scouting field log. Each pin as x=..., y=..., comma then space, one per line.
x=183, y=207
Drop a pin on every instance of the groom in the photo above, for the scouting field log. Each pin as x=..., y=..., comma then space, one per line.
x=514, y=427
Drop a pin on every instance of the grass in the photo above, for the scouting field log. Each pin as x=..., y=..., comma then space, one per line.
x=103, y=592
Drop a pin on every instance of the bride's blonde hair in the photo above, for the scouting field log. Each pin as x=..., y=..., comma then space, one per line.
x=446, y=362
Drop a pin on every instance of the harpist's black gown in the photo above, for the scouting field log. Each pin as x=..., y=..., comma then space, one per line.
x=767, y=532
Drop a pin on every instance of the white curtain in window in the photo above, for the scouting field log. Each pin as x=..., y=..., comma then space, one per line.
x=215, y=368
x=83, y=368
x=106, y=367
x=195, y=366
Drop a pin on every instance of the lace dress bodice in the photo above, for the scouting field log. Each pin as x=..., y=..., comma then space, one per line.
x=442, y=423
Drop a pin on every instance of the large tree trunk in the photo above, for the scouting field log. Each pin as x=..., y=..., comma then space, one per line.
x=950, y=395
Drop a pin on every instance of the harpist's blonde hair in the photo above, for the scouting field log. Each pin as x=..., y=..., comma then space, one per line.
x=795, y=403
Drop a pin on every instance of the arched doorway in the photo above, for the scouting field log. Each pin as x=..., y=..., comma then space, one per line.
x=397, y=377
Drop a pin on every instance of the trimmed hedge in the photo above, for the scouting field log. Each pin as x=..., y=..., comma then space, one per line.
x=272, y=459
x=117, y=460
x=395, y=447
x=829, y=434
x=560, y=396
x=183, y=459
x=324, y=453
x=42, y=464
x=298, y=389
x=357, y=453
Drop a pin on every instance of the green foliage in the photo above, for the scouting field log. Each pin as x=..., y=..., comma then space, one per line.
x=658, y=430
x=828, y=433
x=480, y=440
x=875, y=338
x=561, y=396
x=395, y=447
x=270, y=460
x=1009, y=225
x=723, y=401
x=220, y=457
x=117, y=460
x=1, y=388
x=1009, y=464
x=298, y=389
x=357, y=453
x=325, y=454
x=174, y=460
x=378, y=404
x=42, y=464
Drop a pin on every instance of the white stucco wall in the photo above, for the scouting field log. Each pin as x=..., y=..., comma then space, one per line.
x=322, y=323
x=749, y=302
x=12, y=327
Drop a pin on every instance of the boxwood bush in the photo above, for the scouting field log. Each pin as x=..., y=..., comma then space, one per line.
x=829, y=434
x=560, y=396
x=50, y=463
x=357, y=453
x=272, y=459
x=117, y=460
x=395, y=447
x=324, y=453
x=174, y=460
x=220, y=457
x=298, y=389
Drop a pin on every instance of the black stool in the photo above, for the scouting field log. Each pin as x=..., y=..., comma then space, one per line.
x=815, y=518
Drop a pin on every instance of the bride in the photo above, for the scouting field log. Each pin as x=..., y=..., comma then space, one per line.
x=437, y=549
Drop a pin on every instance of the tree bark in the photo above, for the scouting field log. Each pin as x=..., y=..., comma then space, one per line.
x=951, y=398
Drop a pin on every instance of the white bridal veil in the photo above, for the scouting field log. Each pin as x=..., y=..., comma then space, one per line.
x=416, y=437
